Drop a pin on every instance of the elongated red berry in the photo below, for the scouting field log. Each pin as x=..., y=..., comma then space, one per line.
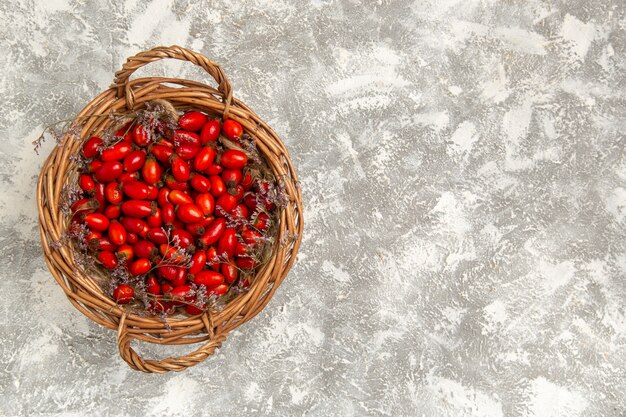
x=232, y=129
x=123, y=294
x=193, y=120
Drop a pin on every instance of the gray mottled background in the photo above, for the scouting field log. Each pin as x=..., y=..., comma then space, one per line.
x=464, y=179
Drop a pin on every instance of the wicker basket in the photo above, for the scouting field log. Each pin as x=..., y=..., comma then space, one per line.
x=212, y=327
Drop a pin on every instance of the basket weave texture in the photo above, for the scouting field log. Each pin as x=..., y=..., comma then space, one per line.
x=125, y=96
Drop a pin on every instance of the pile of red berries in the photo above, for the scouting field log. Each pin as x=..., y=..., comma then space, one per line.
x=175, y=215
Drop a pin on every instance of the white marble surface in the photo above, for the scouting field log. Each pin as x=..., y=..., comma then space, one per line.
x=464, y=179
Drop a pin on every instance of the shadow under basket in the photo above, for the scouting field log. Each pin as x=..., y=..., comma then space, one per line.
x=126, y=96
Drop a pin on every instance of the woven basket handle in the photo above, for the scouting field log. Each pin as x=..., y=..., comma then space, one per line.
x=124, y=339
x=175, y=52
